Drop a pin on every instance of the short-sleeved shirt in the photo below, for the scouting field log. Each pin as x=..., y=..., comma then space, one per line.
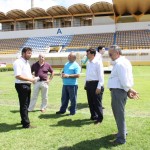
x=22, y=67
x=41, y=71
x=71, y=68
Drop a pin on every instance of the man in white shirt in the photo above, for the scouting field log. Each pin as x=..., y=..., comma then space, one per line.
x=100, y=52
x=23, y=82
x=120, y=83
x=94, y=86
x=99, y=55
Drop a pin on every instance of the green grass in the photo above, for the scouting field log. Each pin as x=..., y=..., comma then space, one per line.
x=55, y=132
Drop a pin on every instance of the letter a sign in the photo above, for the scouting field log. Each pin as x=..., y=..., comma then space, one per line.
x=59, y=31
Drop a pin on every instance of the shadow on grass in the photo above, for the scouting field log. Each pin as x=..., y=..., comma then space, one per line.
x=8, y=127
x=18, y=111
x=14, y=111
x=54, y=116
x=96, y=144
x=82, y=106
x=73, y=123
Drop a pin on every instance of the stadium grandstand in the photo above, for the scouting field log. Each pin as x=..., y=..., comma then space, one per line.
x=59, y=30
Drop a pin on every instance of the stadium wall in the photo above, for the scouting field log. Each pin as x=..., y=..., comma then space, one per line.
x=75, y=30
x=103, y=20
x=133, y=26
x=139, y=57
x=57, y=31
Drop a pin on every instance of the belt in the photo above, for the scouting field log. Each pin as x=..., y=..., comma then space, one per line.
x=92, y=81
x=23, y=83
x=115, y=89
x=41, y=80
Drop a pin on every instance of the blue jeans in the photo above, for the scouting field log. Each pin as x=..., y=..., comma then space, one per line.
x=69, y=92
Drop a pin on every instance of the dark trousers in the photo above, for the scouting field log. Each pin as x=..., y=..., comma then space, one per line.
x=94, y=100
x=24, y=92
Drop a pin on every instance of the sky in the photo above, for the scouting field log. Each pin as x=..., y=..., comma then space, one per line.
x=7, y=5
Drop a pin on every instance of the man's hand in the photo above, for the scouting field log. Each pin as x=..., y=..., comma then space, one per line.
x=132, y=94
x=35, y=79
x=65, y=75
x=98, y=91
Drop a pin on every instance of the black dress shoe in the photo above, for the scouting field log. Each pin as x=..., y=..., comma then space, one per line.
x=32, y=127
x=71, y=114
x=93, y=118
x=97, y=122
x=60, y=112
x=29, y=127
x=115, y=134
x=116, y=143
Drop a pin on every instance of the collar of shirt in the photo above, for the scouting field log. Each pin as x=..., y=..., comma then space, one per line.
x=24, y=60
x=121, y=78
x=41, y=64
x=93, y=60
x=117, y=60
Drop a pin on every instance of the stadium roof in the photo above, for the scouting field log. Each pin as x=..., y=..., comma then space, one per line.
x=79, y=9
x=16, y=14
x=58, y=11
x=118, y=8
x=2, y=16
x=131, y=7
x=102, y=8
x=36, y=12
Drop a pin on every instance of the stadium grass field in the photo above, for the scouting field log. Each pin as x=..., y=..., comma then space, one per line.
x=64, y=132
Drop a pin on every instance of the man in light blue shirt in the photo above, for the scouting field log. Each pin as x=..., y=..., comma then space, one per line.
x=70, y=73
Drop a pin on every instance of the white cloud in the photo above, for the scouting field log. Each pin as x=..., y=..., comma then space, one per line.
x=7, y=5
x=87, y=2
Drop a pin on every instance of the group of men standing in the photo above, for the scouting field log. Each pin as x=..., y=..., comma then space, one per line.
x=119, y=83
x=38, y=74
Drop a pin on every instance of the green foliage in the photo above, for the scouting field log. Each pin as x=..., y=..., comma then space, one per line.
x=4, y=69
x=84, y=66
x=64, y=132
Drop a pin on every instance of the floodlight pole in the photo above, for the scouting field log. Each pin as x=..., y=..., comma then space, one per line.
x=32, y=3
